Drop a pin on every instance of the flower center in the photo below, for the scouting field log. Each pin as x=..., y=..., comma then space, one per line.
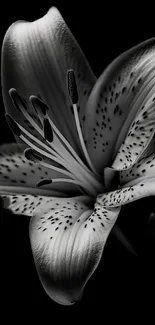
x=53, y=150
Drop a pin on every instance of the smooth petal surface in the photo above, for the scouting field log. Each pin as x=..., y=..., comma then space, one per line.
x=20, y=176
x=121, y=108
x=35, y=59
x=67, y=238
x=134, y=190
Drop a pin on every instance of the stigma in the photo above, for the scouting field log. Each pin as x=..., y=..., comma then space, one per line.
x=54, y=151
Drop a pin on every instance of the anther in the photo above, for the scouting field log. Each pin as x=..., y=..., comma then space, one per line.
x=17, y=99
x=45, y=181
x=12, y=125
x=38, y=103
x=72, y=87
x=61, y=151
x=31, y=155
x=48, y=133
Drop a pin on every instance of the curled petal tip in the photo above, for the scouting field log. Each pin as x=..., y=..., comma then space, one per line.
x=63, y=296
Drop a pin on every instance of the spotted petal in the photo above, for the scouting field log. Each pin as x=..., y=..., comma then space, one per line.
x=20, y=176
x=67, y=238
x=35, y=60
x=143, y=169
x=24, y=204
x=142, y=187
x=121, y=109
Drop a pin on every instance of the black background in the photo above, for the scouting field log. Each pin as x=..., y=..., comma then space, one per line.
x=122, y=280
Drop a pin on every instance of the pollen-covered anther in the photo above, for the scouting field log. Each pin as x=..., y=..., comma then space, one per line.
x=21, y=105
x=45, y=181
x=31, y=155
x=48, y=132
x=38, y=104
x=17, y=100
x=57, y=148
x=72, y=86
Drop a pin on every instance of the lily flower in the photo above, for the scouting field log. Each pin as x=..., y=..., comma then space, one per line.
x=83, y=150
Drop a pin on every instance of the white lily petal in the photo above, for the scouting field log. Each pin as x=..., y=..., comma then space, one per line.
x=134, y=190
x=144, y=168
x=24, y=203
x=35, y=60
x=138, y=138
x=67, y=238
x=116, y=100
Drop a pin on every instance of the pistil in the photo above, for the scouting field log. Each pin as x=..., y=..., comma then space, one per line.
x=72, y=89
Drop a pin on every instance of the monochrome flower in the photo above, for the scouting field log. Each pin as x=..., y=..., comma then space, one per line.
x=85, y=147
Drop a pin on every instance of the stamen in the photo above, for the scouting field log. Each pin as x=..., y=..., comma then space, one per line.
x=57, y=169
x=40, y=112
x=40, y=151
x=60, y=161
x=82, y=140
x=63, y=153
x=45, y=181
x=7, y=190
x=57, y=160
x=52, y=152
x=12, y=125
x=18, y=100
x=72, y=86
x=38, y=104
x=73, y=93
x=19, y=103
x=48, y=133
x=32, y=155
x=69, y=147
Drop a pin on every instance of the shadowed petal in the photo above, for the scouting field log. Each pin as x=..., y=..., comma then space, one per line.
x=68, y=246
x=35, y=60
x=20, y=176
x=123, y=93
x=123, y=239
x=151, y=219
